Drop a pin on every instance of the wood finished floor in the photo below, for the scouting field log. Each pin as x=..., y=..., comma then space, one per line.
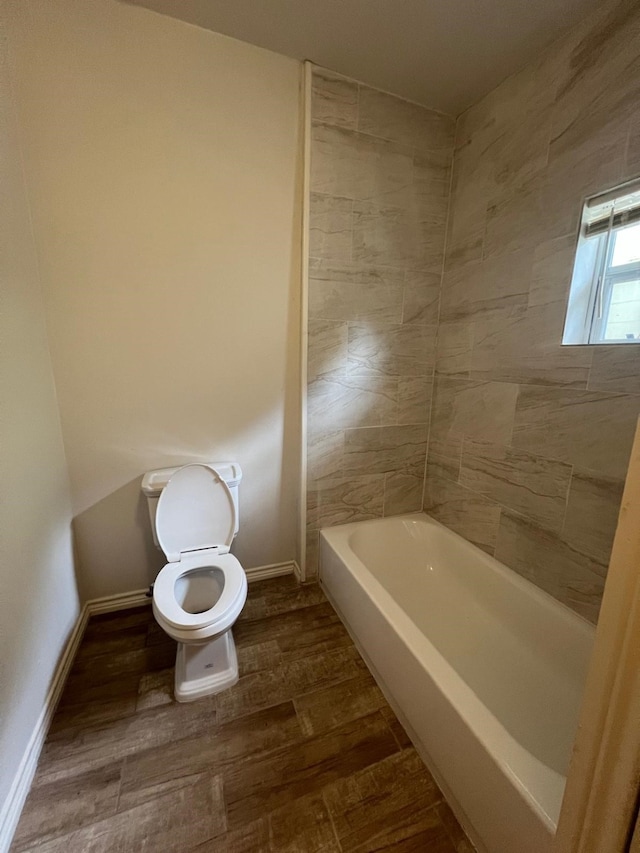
x=302, y=755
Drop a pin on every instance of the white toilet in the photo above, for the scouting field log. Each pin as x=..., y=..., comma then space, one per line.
x=200, y=592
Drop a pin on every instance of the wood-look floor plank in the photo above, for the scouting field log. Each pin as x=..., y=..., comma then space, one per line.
x=242, y=740
x=112, y=642
x=155, y=688
x=372, y=802
x=257, y=656
x=58, y=808
x=333, y=706
x=248, y=838
x=270, y=599
x=412, y=832
x=287, y=680
x=107, y=710
x=285, y=625
x=107, y=623
x=80, y=750
x=280, y=763
x=268, y=783
x=302, y=826
x=103, y=669
x=173, y=823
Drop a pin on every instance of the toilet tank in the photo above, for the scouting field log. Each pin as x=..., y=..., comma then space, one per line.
x=154, y=482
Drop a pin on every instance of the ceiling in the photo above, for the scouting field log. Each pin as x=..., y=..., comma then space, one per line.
x=445, y=54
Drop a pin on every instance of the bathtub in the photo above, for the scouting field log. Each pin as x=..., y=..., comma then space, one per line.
x=485, y=670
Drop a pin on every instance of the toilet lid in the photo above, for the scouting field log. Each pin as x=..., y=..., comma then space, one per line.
x=195, y=511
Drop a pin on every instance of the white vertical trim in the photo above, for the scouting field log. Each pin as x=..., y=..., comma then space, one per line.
x=599, y=809
x=304, y=311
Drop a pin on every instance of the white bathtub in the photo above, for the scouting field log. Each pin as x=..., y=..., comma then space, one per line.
x=485, y=670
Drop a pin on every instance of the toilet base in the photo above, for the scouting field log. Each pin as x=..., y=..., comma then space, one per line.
x=205, y=668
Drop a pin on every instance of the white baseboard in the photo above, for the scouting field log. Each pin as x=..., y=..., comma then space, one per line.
x=275, y=570
x=121, y=601
x=13, y=805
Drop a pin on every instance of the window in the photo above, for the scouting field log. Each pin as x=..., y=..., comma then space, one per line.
x=604, y=301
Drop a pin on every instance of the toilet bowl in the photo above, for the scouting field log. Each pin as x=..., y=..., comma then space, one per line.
x=200, y=592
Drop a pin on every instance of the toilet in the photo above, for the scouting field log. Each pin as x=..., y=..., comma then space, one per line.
x=199, y=593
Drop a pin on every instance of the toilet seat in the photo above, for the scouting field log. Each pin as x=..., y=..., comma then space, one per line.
x=195, y=511
x=195, y=523
x=225, y=610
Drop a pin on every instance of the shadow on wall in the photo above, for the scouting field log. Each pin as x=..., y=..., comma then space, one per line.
x=114, y=545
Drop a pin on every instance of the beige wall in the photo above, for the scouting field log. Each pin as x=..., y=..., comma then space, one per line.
x=163, y=165
x=38, y=597
x=380, y=175
x=530, y=440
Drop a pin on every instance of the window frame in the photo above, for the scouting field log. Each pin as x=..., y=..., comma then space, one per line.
x=603, y=286
x=594, y=279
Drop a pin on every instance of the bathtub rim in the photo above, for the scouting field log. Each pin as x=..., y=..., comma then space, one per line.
x=502, y=748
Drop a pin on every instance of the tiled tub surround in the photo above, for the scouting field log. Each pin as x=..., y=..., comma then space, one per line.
x=380, y=178
x=529, y=439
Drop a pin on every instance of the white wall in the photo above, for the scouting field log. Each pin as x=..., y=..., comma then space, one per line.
x=163, y=164
x=38, y=597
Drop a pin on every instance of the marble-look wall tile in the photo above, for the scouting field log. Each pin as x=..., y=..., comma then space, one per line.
x=592, y=513
x=598, y=60
x=632, y=160
x=525, y=158
x=334, y=99
x=380, y=178
x=325, y=454
x=551, y=272
x=330, y=227
x=454, y=348
x=616, y=368
x=571, y=176
x=467, y=217
x=445, y=456
x=486, y=288
x=402, y=493
x=386, y=449
x=397, y=236
x=414, y=399
x=357, y=166
x=589, y=429
x=327, y=354
x=421, y=298
x=514, y=219
x=532, y=486
x=402, y=121
x=480, y=410
x=356, y=293
x=343, y=500
x=406, y=350
x=547, y=560
x=432, y=175
x=468, y=513
x=525, y=346
x=351, y=401
x=312, y=553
